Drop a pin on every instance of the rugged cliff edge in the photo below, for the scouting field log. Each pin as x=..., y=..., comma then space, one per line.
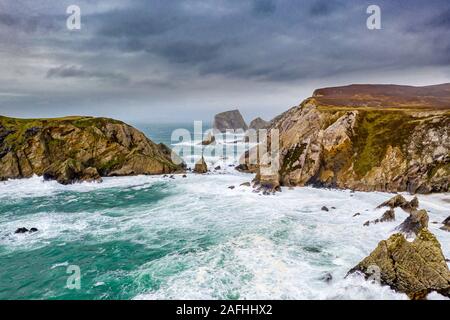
x=76, y=149
x=367, y=138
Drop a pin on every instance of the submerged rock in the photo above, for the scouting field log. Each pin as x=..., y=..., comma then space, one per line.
x=324, y=208
x=21, y=230
x=415, y=268
x=246, y=184
x=201, y=167
x=386, y=217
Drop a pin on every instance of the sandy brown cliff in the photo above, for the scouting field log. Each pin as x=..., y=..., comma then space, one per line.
x=369, y=137
x=78, y=149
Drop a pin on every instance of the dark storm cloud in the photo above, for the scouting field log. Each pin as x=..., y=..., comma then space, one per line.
x=138, y=48
x=65, y=71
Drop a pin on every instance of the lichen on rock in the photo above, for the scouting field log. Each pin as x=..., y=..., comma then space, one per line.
x=75, y=149
x=415, y=268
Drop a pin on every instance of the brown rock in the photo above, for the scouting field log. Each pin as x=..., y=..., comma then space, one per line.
x=75, y=149
x=340, y=138
x=416, y=268
x=201, y=167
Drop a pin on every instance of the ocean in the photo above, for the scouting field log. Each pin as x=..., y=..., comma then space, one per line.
x=153, y=237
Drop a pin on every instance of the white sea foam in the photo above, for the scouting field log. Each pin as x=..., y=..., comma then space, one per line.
x=239, y=244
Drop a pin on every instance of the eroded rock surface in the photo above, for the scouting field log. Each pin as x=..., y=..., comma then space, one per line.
x=75, y=149
x=392, y=141
x=415, y=268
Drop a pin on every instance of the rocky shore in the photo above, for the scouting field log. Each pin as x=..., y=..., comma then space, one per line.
x=75, y=149
x=366, y=138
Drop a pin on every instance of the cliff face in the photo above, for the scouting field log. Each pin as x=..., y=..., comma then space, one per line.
x=232, y=120
x=78, y=149
x=367, y=138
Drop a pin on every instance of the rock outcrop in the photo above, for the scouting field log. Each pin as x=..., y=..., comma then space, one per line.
x=415, y=268
x=368, y=138
x=201, y=167
x=388, y=216
x=75, y=149
x=258, y=124
x=417, y=220
x=229, y=120
x=400, y=202
x=446, y=225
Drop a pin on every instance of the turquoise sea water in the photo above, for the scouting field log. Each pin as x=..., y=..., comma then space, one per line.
x=161, y=238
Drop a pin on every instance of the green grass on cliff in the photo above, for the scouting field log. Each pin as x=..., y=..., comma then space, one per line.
x=375, y=132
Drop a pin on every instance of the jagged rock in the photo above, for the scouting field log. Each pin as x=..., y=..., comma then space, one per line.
x=416, y=221
x=33, y=230
x=347, y=138
x=75, y=149
x=21, y=230
x=325, y=209
x=386, y=217
x=258, y=124
x=229, y=120
x=201, y=167
x=446, y=224
x=217, y=168
x=71, y=171
x=246, y=184
x=210, y=139
x=356, y=214
x=415, y=268
x=231, y=187
x=400, y=202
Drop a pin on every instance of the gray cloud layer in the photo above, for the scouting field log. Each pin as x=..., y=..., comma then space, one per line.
x=172, y=60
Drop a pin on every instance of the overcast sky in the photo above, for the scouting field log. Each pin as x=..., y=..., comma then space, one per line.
x=169, y=61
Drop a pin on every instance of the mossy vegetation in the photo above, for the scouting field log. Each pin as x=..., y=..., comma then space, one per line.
x=292, y=157
x=375, y=132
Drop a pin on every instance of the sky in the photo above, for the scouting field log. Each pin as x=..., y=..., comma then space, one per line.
x=171, y=61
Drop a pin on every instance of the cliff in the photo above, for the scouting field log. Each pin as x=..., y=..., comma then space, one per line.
x=367, y=138
x=76, y=149
x=229, y=120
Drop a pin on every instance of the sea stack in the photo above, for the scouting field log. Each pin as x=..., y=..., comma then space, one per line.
x=258, y=124
x=201, y=167
x=229, y=120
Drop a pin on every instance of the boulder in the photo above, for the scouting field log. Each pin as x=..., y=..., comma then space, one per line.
x=415, y=268
x=201, y=167
x=229, y=120
x=446, y=225
x=325, y=209
x=246, y=184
